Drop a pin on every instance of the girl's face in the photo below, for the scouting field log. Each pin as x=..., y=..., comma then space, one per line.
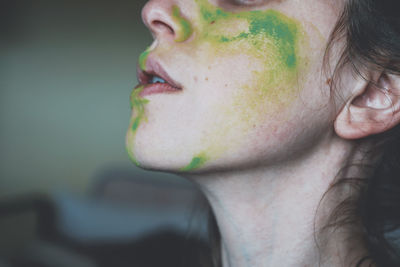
x=244, y=83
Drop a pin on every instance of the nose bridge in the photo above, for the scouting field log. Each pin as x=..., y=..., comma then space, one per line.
x=166, y=20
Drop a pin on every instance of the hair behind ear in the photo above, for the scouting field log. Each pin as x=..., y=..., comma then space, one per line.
x=371, y=30
x=379, y=204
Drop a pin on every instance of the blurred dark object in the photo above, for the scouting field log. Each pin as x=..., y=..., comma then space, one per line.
x=50, y=244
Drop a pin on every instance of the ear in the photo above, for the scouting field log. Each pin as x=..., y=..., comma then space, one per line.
x=375, y=109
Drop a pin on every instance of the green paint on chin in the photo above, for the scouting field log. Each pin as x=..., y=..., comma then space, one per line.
x=137, y=104
x=132, y=157
x=143, y=59
x=184, y=29
x=197, y=161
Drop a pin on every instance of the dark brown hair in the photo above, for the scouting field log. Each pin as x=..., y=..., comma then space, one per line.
x=371, y=31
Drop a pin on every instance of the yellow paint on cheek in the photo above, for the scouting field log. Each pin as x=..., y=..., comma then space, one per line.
x=274, y=45
x=268, y=37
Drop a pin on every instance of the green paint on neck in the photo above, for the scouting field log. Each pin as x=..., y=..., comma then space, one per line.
x=143, y=59
x=184, y=29
x=137, y=104
x=197, y=161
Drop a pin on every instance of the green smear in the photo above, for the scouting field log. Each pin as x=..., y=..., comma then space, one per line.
x=272, y=24
x=269, y=24
x=137, y=104
x=143, y=59
x=132, y=157
x=196, y=163
x=184, y=31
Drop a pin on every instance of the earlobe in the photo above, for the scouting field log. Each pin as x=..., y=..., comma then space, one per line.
x=372, y=111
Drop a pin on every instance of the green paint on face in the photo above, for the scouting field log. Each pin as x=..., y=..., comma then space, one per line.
x=197, y=161
x=137, y=104
x=272, y=24
x=132, y=156
x=281, y=31
x=271, y=45
x=184, y=29
x=143, y=59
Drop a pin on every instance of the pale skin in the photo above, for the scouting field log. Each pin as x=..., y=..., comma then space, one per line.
x=263, y=151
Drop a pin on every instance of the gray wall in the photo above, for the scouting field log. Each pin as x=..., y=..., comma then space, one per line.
x=67, y=69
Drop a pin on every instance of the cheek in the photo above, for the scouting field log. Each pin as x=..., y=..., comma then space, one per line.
x=271, y=46
x=249, y=68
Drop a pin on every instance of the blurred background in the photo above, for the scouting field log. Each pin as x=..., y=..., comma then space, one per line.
x=69, y=196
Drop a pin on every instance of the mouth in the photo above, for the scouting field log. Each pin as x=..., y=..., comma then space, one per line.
x=156, y=80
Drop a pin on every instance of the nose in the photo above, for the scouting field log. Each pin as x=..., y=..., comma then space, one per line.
x=166, y=20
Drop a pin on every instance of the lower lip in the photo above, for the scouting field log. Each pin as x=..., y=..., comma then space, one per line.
x=158, y=88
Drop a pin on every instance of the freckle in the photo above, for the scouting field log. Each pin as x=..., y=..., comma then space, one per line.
x=209, y=67
x=226, y=85
x=195, y=78
x=206, y=78
x=212, y=22
x=329, y=81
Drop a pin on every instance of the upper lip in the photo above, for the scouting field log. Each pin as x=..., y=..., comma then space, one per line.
x=153, y=68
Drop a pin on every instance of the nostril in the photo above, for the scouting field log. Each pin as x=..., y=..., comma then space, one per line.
x=161, y=26
x=166, y=21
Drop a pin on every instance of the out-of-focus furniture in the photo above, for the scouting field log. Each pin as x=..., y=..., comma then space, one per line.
x=123, y=221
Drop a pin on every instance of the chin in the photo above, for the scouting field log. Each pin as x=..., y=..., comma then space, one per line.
x=162, y=156
x=185, y=162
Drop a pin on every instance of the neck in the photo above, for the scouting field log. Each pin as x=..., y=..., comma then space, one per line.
x=267, y=215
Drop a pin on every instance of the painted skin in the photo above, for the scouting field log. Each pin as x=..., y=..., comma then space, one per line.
x=137, y=104
x=197, y=162
x=185, y=30
x=271, y=39
x=143, y=58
